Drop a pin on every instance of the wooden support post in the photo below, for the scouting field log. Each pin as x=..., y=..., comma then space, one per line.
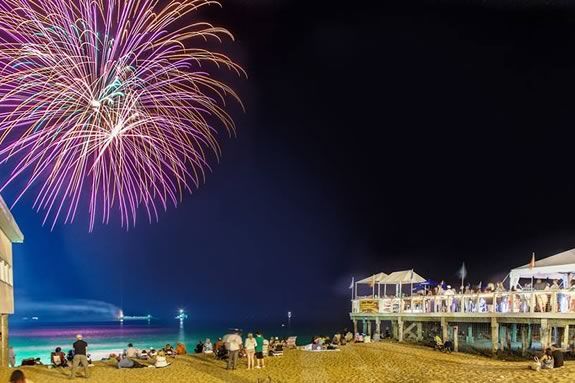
x=364, y=326
x=565, y=340
x=494, y=335
x=368, y=328
x=544, y=333
x=462, y=303
x=354, y=327
x=378, y=327
x=419, y=331
x=444, y=329
x=394, y=329
x=530, y=337
x=456, y=338
x=554, y=302
x=469, y=338
x=532, y=304
x=502, y=338
x=400, y=329
x=514, y=332
x=524, y=342
x=4, y=340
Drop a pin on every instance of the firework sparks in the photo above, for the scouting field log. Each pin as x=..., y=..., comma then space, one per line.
x=109, y=102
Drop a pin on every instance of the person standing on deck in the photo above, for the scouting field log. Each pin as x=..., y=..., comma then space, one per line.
x=80, y=358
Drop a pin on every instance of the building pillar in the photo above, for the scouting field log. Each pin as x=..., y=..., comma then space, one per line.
x=514, y=332
x=456, y=338
x=544, y=333
x=400, y=329
x=444, y=329
x=3, y=340
x=419, y=331
x=368, y=328
x=524, y=340
x=364, y=326
x=469, y=338
x=394, y=329
x=354, y=327
x=494, y=335
x=565, y=339
x=378, y=327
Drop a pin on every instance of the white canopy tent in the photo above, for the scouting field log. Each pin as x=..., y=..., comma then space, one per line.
x=558, y=266
x=372, y=281
x=399, y=278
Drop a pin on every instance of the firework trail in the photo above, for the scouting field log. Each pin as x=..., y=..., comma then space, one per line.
x=109, y=102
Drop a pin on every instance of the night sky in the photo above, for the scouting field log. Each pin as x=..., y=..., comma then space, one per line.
x=408, y=134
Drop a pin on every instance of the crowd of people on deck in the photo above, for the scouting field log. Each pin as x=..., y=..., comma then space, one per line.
x=445, y=298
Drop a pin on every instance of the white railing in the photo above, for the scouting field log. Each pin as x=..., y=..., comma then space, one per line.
x=555, y=301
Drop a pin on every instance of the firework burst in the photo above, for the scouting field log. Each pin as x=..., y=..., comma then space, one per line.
x=109, y=102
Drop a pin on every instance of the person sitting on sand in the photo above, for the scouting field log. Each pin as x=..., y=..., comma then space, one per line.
x=208, y=347
x=219, y=345
x=181, y=349
x=199, y=347
x=557, y=355
x=161, y=361
x=18, y=377
x=547, y=360
x=143, y=354
x=132, y=352
x=126, y=362
x=168, y=350
x=58, y=358
x=152, y=353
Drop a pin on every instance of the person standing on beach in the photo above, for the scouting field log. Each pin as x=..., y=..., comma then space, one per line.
x=11, y=357
x=260, y=350
x=233, y=343
x=250, y=347
x=80, y=349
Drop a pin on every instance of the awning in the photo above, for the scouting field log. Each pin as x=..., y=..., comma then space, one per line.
x=402, y=278
x=372, y=280
x=557, y=266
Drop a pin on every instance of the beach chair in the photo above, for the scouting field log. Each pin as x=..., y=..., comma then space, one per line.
x=291, y=342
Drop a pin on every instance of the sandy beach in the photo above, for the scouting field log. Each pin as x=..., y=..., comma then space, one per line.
x=382, y=362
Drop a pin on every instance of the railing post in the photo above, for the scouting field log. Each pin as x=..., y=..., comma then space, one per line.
x=554, y=302
x=462, y=303
x=532, y=302
x=512, y=302
x=494, y=303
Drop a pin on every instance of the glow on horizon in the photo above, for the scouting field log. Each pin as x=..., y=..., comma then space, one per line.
x=110, y=103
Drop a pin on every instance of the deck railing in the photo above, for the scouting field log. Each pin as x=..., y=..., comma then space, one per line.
x=555, y=301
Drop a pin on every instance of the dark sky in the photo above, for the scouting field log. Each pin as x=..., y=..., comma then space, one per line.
x=378, y=136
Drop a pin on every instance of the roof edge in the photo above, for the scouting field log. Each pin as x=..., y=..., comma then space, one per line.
x=8, y=224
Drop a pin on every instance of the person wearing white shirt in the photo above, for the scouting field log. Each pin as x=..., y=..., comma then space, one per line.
x=131, y=352
x=233, y=343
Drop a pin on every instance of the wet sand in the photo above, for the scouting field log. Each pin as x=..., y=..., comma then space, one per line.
x=382, y=362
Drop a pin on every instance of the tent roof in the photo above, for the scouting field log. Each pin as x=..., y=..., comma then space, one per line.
x=555, y=267
x=372, y=279
x=402, y=277
x=564, y=258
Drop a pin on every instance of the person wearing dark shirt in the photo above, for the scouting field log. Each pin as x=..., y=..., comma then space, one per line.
x=557, y=356
x=80, y=358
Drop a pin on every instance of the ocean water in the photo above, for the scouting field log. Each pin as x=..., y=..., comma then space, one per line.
x=38, y=340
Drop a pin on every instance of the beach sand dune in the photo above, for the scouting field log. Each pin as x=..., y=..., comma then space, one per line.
x=382, y=362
